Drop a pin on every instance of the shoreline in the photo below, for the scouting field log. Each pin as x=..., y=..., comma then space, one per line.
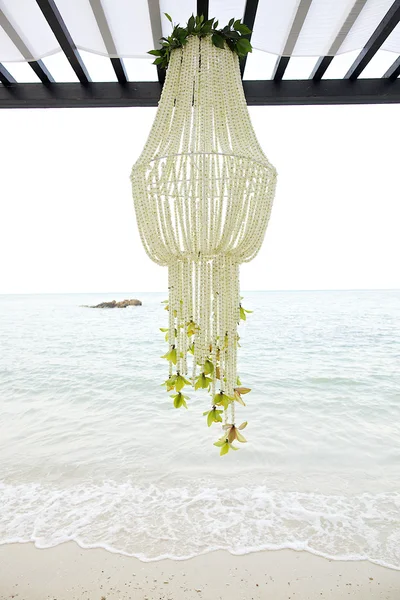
x=68, y=572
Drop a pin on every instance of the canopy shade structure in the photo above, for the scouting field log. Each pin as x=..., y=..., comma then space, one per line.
x=57, y=53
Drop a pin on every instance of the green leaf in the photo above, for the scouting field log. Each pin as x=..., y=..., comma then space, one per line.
x=242, y=28
x=231, y=22
x=191, y=23
x=158, y=61
x=207, y=26
x=218, y=41
x=168, y=17
x=244, y=46
x=155, y=53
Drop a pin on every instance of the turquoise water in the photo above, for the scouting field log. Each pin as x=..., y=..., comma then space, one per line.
x=91, y=449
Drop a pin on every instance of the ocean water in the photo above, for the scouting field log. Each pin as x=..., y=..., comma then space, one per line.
x=92, y=450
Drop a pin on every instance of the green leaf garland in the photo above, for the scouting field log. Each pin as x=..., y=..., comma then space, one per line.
x=233, y=35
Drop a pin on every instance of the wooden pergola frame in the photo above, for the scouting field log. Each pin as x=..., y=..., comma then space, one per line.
x=275, y=91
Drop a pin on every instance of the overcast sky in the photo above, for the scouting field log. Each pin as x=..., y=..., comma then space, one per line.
x=68, y=224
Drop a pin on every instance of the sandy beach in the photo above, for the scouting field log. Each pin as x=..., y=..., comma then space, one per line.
x=68, y=572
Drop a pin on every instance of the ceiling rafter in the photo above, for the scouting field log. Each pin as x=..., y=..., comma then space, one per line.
x=108, y=40
x=202, y=8
x=249, y=18
x=57, y=25
x=298, y=21
x=324, y=61
x=394, y=71
x=156, y=31
x=5, y=77
x=36, y=65
x=381, y=33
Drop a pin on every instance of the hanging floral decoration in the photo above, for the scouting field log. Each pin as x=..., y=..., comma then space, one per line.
x=203, y=192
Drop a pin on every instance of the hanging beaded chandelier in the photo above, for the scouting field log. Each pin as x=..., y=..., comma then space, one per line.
x=203, y=192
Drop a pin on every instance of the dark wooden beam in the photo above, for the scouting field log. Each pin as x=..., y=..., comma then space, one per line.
x=298, y=21
x=249, y=17
x=381, y=33
x=36, y=65
x=258, y=93
x=156, y=31
x=324, y=61
x=57, y=25
x=394, y=71
x=108, y=40
x=202, y=8
x=5, y=77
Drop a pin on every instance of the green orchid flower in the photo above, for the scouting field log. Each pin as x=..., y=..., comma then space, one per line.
x=208, y=367
x=202, y=382
x=233, y=432
x=243, y=312
x=225, y=446
x=166, y=331
x=170, y=383
x=171, y=355
x=180, y=382
x=192, y=328
x=222, y=399
x=213, y=416
x=191, y=349
x=180, y=400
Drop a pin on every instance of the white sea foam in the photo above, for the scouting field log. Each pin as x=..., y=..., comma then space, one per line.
x=180, y=522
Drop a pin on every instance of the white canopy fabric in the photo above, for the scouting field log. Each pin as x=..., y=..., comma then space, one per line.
x=328, y=28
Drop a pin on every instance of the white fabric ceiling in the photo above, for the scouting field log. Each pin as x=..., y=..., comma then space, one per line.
x=130, y=26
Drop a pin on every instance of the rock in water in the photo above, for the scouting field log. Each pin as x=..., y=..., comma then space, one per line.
x=115, y=304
